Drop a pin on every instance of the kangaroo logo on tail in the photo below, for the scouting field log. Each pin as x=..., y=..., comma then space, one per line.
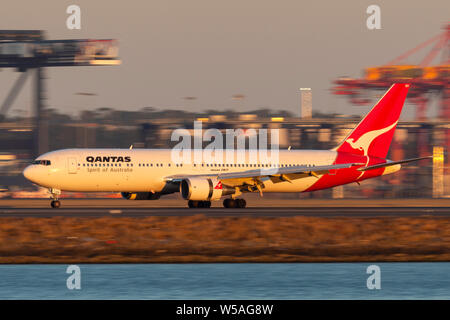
x=364, y=142
x=363, y=138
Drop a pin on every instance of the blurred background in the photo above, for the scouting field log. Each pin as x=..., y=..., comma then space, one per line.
x=136, y=71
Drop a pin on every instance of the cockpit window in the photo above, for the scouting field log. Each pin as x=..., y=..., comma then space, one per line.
x=42, y=162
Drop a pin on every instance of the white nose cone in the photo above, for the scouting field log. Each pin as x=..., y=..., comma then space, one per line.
x=28, y=173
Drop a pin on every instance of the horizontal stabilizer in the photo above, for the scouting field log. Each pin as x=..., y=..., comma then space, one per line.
x=392, y=163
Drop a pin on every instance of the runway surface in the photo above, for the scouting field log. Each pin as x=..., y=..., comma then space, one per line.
x=222, y=212
x=256, y=207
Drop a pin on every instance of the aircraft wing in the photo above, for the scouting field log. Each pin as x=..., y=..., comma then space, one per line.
x=256, y=176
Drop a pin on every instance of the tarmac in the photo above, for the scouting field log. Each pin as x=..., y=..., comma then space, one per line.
x=255, y=208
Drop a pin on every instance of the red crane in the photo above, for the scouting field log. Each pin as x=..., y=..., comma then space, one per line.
x=427, y=81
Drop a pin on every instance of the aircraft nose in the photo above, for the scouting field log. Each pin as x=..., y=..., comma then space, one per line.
x=28, y=173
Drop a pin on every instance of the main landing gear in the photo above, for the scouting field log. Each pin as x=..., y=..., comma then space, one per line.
x=54, y=194
x=227, y=203
x=234, y=203
x=199, y=204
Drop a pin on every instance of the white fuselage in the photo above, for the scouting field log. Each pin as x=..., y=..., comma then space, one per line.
x=146, y=170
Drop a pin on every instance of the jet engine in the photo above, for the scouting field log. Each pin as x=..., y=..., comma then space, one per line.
x=203, y=189
x=141, y=195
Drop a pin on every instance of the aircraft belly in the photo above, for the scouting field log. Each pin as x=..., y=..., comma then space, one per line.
x=91, y=182
x=109, y=182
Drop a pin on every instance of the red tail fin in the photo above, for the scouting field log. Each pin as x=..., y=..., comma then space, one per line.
x=373, y=135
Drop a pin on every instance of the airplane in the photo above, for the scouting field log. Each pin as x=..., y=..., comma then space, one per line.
x=148, y=174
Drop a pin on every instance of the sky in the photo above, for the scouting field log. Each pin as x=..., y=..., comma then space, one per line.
x=212, y=50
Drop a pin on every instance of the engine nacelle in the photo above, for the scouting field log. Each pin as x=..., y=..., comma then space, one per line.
x=141, y=195
x=203, y=189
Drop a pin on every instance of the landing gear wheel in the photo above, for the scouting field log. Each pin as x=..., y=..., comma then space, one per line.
x=229, y=203
x=55, y=204
x=199, y=204
x=241, y=203
x=206, y=204
x=234, y=203
x=54, y=195
x=193, y=204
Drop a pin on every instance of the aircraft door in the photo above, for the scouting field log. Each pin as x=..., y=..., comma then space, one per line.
x=72, y=165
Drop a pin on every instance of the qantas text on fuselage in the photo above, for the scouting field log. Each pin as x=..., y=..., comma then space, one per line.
x=108, y=159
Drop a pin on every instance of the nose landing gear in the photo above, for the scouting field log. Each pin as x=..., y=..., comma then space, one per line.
x=55, y=203
x=54, y=194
